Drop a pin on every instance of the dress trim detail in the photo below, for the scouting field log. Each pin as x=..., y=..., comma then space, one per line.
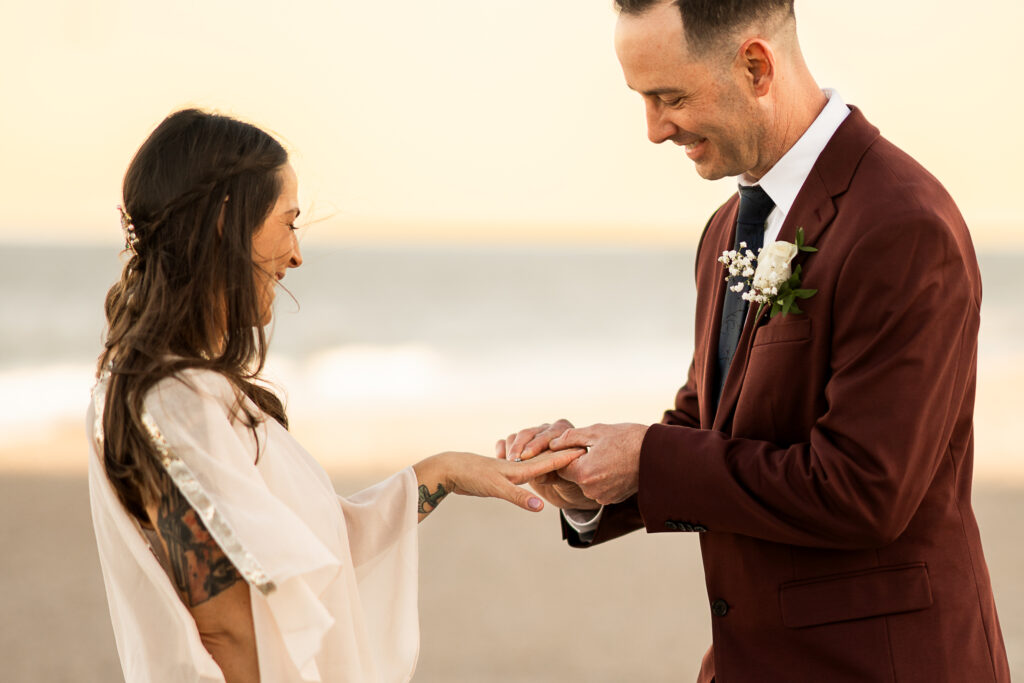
x=183, y=477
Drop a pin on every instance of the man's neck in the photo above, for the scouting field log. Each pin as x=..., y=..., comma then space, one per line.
x=791, y=119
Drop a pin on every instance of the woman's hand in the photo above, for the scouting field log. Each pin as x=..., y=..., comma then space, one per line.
x=469, y=474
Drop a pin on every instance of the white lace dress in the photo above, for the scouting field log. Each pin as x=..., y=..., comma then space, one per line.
x=333, y=581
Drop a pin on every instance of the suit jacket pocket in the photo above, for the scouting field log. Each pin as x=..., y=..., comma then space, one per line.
x=855, y=595
x=783, y=331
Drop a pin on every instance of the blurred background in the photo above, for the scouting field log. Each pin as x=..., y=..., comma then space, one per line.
x=492, y=243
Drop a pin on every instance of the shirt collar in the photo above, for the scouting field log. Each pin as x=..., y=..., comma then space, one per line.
x=783, y=181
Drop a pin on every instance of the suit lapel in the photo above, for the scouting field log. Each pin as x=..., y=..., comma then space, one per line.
x=814, y=210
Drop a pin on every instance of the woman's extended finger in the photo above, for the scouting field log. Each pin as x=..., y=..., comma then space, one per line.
x=549, y=461
x=506, y=490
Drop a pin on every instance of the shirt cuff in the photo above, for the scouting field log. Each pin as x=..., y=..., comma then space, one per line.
x=584, y=522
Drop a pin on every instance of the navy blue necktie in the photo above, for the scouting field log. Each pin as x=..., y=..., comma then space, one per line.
x=755, y=205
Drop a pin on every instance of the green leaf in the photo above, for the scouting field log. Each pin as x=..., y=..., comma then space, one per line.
x=799, y=238
x=804, y=293
x=795, y=309
x=812, y=249
x=786, y=305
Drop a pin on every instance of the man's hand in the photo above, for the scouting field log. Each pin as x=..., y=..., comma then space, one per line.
x=531, y=442
x=610, y=471
x=562, y=493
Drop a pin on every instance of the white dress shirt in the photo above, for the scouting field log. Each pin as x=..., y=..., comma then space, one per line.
x=784, y=180
x=782, y=183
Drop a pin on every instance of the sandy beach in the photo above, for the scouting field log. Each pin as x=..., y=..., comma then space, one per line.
x=502, y=599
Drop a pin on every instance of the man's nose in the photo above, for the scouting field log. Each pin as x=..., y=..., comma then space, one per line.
x=659, y=129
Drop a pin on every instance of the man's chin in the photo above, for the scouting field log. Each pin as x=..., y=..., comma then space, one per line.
x=710, y=172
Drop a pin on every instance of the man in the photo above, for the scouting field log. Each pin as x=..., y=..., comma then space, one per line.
x=824, y=456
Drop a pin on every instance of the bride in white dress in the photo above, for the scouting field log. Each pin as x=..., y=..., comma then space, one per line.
x=226, y=554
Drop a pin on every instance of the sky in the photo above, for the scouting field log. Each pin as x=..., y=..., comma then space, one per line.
x=466, y=120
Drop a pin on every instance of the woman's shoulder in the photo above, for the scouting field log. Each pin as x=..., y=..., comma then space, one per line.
x=193, y=387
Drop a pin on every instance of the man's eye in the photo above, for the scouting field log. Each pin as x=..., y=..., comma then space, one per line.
x=674, y=102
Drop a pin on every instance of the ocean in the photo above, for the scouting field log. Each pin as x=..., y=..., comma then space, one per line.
x=378, y=330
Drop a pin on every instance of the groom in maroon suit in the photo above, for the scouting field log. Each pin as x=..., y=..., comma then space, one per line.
x=823, y=446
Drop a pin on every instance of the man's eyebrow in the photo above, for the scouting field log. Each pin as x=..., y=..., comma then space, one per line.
x=664, y=91
x=655, y=92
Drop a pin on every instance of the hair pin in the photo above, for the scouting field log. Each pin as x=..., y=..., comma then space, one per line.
x=131, y=239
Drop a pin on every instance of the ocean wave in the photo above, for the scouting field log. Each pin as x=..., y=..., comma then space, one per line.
x=34, y=398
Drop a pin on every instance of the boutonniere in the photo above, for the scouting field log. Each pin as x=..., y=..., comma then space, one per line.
x=772, y=281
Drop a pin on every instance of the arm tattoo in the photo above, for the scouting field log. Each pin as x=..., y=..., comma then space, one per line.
x=429, y=501
x=200, y=569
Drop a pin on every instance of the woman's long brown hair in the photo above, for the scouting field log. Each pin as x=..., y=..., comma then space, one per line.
x=197, y=190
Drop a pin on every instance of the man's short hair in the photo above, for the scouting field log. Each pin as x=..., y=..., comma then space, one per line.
x=707, y=22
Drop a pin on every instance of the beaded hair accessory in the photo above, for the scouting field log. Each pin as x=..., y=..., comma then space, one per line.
x=131, y=239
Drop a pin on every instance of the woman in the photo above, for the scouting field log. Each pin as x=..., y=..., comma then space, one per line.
x=225, y=552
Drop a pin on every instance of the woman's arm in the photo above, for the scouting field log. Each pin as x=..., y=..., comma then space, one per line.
x=209, y=585
x=469, y=474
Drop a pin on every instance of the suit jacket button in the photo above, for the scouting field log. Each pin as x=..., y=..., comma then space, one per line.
x=700, y=529
x=719, y=608
x=687, y=527
x=671, y=525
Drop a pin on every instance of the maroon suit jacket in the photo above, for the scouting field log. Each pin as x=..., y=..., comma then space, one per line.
x=832, y=486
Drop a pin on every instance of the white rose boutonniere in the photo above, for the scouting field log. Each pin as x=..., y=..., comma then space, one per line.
x=773, y=282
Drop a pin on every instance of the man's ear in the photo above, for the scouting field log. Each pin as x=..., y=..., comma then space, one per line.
x=757, y=59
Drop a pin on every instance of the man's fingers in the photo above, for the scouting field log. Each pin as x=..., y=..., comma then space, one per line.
x=579, y=438
x=516, y=445
x=542, y=441
x=572, y=472
x=546, y=478
x=528, y=443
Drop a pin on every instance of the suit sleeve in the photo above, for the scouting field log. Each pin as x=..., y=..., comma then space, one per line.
x=622, y=518
x=905, y=315
x=687, y=411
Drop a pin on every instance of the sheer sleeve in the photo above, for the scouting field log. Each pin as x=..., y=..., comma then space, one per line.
x=333, y=581
x=382, y=530
x=211, y=457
